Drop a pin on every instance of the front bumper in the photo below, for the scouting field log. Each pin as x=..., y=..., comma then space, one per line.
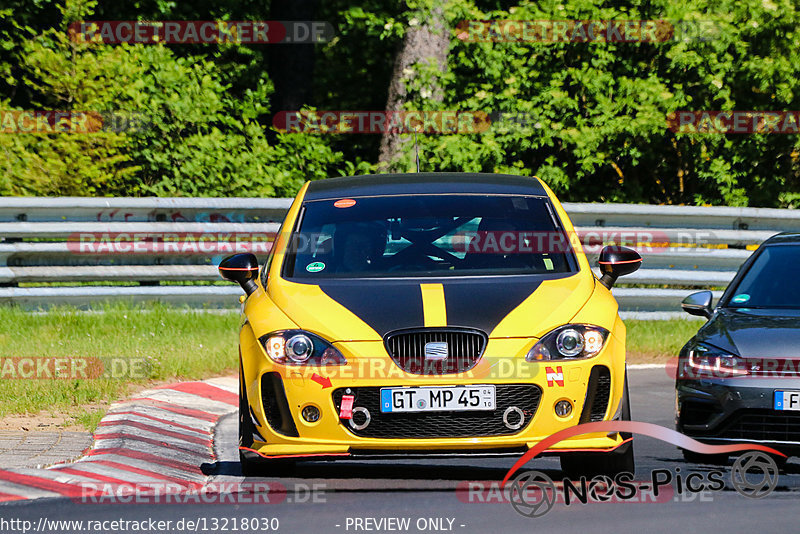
x=738, y=410
x=277, y=395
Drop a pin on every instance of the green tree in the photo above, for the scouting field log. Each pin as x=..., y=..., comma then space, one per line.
x=597, y=129
x=198, y=140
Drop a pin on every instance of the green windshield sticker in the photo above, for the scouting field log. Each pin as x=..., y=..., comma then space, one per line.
x=548, y=264
x=743, y=297
x=315, y=267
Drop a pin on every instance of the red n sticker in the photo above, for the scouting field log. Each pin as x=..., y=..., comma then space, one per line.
x=554, y=376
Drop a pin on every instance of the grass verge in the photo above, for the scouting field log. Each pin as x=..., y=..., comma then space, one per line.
x=658, y=341
x=97, y=358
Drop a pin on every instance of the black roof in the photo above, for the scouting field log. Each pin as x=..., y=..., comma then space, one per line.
x=426, y=182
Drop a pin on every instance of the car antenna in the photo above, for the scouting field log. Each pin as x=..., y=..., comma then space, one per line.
x=416, y=149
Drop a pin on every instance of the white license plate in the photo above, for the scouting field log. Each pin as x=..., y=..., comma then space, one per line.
x=438, y=399
x=787, y=400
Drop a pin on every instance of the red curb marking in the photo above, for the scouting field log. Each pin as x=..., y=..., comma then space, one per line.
x=124, y=435
x=95, y=476
x=151, y=474
x=174, y=408
x=5, y=497
x=153, y=418
x=157, y=430
x=146, y=457
x=67, y=490
x=200, y=389
x=207, y=391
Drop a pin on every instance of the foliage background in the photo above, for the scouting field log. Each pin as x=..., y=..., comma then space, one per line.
x=599, y=109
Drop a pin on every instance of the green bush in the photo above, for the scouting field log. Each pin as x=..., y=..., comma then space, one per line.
x=198, y=140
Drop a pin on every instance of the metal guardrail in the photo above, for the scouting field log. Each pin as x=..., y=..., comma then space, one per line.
x=149, y=209
x=41, y=240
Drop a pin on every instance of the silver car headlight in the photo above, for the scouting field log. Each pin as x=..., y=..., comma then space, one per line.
x=298, y=347
x=569, y=342
x=706, y=361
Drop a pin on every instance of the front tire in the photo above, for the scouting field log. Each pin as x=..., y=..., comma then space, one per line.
x=245, y=423
x=255, y=466
x=590, y=464
x=250, y=463
x=708, y=459
x=249, y=467
x=620, y=460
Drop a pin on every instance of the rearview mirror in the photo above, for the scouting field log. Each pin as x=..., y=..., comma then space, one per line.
x=242, y=269
x=698, y=304
x=617, y=261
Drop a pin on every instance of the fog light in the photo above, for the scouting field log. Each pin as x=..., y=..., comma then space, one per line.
x=310, y=414
x=563, y=408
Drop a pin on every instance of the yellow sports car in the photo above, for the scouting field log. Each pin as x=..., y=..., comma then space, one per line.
x=429, y=315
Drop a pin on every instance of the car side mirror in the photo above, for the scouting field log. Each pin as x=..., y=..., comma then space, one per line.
x=698, y=304
x=242, y=269
x=616, y=261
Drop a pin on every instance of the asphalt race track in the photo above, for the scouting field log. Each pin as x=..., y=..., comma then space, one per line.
x=351, y=496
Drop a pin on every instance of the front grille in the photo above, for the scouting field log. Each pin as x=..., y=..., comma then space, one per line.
x=597, y=395
x=442, y=424
x=464, y=348
x=763, y=425
x=698, y=412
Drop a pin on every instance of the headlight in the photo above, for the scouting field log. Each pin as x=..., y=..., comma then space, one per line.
x=296, y=347
x=711, y=362
x=569, y=342
x=299, y=348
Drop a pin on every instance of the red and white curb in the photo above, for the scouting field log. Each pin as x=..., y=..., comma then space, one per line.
x=153, y=443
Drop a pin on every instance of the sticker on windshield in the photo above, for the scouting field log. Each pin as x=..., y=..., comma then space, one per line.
x=344, y=203
x=519, y=203
x=315, y=267
x=742, y=297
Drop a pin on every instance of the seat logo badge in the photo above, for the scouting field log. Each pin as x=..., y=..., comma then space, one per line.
x=436, y=351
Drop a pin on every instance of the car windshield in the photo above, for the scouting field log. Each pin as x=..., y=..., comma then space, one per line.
x=771, y=281
x=428, y=235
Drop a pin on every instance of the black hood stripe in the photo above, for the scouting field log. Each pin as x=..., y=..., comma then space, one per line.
x=484, y=304
x=386, y=306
